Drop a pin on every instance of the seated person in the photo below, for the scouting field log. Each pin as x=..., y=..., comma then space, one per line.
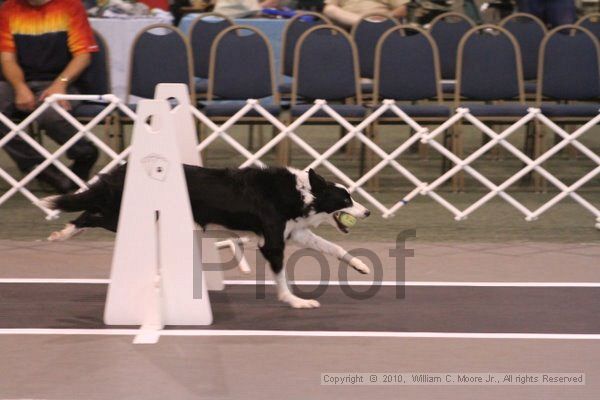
x=44, y=46
x=348, y=12
x=243, y=8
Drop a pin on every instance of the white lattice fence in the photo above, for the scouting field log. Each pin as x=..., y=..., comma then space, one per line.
x=422, y=134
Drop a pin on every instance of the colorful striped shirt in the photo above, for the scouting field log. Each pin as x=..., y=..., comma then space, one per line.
x=46, y=37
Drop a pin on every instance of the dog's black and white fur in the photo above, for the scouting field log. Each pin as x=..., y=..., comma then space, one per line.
x=277, y=204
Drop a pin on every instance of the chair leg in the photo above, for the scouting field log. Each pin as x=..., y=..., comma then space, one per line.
x=423, y=151
x=529, y=139
x=109, y=138
x=447, y=143
x=573, y=154
x=283, y=149
x=460, y=153
x=414, y=148
x=250, y=137
x=373, y=133
x=120, y=133
x=539, y=181
x=202, y=135
x=496, y=150
x=261, y=136
x=458, y=178
x=345, y=148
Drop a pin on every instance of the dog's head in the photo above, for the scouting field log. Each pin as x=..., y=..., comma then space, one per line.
x=334, y=199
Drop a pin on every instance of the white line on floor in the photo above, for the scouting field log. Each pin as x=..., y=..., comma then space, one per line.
x=423, y=283
x=333, y=283
x=51, y=280
x=221, y=332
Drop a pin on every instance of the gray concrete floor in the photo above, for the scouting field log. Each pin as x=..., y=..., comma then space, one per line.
x=94, y=367
x=524, y=262
x=109, y=367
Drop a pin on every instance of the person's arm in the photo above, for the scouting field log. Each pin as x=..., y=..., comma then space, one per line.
x=339, y=15
x=398, y=8
x=399, y=12
x=74, y=68
x=81, y=43
x=269, y=4
x=24, y=97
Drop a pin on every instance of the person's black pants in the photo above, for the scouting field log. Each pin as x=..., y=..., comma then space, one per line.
x=83, y=152
x=552, y=12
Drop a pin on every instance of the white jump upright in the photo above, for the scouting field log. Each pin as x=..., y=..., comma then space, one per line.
x=156, y=276
x=187, y=139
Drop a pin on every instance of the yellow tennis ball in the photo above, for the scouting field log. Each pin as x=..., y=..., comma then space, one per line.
x=347, y=220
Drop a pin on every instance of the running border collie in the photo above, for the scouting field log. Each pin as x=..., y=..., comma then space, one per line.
x=277, y=204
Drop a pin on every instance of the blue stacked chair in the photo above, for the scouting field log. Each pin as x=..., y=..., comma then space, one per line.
x=203, y=31
x=489, y=69
x=407, y=70
x=565, y=93
x=529, y=32
x=160, y=53
x=591, y=22
x=295, y=27
x=447, y=30
x=366, y=33
x=241, y=68
x=489, y=81
x=326, y=67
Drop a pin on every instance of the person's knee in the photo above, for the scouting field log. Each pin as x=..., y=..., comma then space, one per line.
x=49, y=118
x=83, y=150
x=6, y=98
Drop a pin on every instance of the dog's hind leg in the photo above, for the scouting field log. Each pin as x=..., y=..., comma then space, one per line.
x=305, y=237
x=272, y=250
x=66, y=233
x=87, y=219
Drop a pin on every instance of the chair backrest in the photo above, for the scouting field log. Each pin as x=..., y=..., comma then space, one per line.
x=326, y=65
x=203, y=31
x=241, y=65
x=366, y=33
x=292, y=31
x=407, y=66
x=591, y=22
x=96, y=77
x=529, y=31
x=489, y=66
x=447, y=29
x=160, y=53
x=569, y=68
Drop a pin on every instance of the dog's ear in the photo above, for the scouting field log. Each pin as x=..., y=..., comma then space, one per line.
x=317, y=183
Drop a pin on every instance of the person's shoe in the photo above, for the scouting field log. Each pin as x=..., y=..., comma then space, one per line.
x=59, y=181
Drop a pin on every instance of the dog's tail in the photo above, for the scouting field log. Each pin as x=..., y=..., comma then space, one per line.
x=70, y=202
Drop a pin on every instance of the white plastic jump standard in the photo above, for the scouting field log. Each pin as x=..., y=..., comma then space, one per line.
x=156, y=276
x=185, y=134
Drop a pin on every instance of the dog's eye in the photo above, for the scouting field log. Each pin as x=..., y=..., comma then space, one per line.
x=348, y=202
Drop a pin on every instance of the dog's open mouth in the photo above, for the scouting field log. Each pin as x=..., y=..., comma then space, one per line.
x=341, y=227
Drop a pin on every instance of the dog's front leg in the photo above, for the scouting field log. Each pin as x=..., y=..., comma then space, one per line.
x=305, y=237
x=273, y=250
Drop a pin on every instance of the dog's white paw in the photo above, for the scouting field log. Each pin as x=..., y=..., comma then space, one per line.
x=68, y=232
x=360, y=266
x=56, y=236
x=49, y=202
x=297, y=302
